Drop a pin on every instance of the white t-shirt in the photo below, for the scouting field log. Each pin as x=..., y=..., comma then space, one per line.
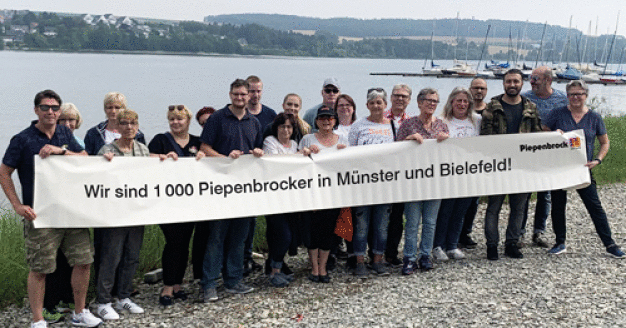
x=343, y=130
x=109, y=136
x=310, y=140
x=272, y=146
x=463, y=128
x=366, y=132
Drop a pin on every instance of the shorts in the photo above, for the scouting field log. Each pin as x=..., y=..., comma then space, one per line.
x=42, y=245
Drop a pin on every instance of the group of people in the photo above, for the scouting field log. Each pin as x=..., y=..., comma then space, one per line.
x=223, y=248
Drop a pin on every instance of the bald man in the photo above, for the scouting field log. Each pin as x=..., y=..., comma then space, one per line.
x=546, y=98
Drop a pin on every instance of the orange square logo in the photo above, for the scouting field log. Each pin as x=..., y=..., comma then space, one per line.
x=575, y=143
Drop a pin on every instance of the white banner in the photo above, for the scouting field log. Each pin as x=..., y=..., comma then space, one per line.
x=78, y=191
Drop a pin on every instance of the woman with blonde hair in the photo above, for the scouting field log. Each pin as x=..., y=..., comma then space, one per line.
x=177, y=235
x=70, y=117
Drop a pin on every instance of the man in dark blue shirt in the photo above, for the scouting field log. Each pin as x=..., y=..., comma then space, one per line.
x=231, y=131
x=44, y=138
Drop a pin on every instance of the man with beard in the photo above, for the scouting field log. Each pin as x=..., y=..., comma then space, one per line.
x=546, y=100
x=478, y=89
x=508, y=113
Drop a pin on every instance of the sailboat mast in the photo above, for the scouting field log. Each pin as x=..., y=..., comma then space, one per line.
x=540, y=52
x=612, y=42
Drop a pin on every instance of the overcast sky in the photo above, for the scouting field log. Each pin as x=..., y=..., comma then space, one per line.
x=555, y=12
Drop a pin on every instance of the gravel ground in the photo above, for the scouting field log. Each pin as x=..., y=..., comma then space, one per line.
x=581, y=288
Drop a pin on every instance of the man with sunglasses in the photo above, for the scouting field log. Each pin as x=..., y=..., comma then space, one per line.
x=546, y=100
x=44, y=138
x=508, y=113
x=330, y=91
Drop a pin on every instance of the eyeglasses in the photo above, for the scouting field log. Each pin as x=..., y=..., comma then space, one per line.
x=400, y=96
x=45, y=108
x=535, y=78
x=177, y=107
x=331, y=90
x=431, y=101
x=578, y=94
x=375, y=89
x=127, y=123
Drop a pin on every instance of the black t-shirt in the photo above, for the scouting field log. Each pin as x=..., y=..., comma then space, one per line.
x=513, y=116
x=160, y=144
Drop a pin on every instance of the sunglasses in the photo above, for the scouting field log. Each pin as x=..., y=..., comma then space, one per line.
x=331, y=90
x=45, y=108
x=375, y=89
x=177, y=107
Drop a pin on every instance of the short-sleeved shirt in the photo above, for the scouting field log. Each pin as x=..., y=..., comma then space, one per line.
x=224, y=132
x=310, y=140
x=591, y=123
x=272, y=146
x=415, y=125
x=161, y=144
x=366, y=132
x=464, y=128
x=23, y=147
x=556, y=100
x=266, y=116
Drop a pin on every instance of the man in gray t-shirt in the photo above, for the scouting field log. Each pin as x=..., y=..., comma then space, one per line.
x=546, y=100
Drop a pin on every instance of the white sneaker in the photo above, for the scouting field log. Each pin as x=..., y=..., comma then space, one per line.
x=106, y=312
x=439, y=255
x=86, y=319
x=39, y=324
x=128, y=305
x=455, y=254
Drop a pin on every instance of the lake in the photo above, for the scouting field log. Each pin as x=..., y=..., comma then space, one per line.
x=152, y=82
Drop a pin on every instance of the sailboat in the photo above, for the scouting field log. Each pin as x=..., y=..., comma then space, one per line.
x=434, y=69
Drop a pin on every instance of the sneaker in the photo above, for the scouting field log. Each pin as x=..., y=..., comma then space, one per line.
x=39, y=324
x=439, y=254
x=408, y=267
x=210, y=295
x=128, y=305
x=539, y=241
x=278, y=281
x=455, y=254
x=425, y=263
x=86, y=319
x=361, y=270
x=467, y=242
x=512, y=251
x=393, y=261
x=615, y=251
x=65, y=307
x=558, y=249
x=380, y=268
x=52, y=316
x=492, y=253
x=240, y=288
x=106, y=312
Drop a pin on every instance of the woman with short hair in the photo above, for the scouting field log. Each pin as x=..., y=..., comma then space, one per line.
x=70, y=117
x=374, y=129
x=177, y=235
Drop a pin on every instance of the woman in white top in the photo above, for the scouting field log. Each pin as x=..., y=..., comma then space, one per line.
x=280, y=227
x=346, y=113
x=462, y=122
x=320, y=225
x=374, y=129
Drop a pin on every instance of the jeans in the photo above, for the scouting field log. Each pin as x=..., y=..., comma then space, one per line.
x=394, y=231
x=278, y=234
x=247, y=251
x=542, y=210
x=176, y=251
x=517, y=202
x=589, y=196
x=450, y=222
x=224, y=249
x=426, y=211
x=379, y=217
x=468, y=221
x=119, y=257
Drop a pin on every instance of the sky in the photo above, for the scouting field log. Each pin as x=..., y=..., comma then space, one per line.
x=555, y=12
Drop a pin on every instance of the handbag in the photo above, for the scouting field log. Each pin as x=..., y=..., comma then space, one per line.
x=343, y=228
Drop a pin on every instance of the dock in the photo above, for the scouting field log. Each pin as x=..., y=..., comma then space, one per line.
x=617, y=81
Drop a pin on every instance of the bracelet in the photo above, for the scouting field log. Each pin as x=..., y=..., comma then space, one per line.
x=599, y=161
x=64, y=151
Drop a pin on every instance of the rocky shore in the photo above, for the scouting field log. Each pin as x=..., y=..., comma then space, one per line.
x=582, y=288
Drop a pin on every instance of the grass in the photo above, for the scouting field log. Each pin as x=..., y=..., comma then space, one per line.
x=14, y=270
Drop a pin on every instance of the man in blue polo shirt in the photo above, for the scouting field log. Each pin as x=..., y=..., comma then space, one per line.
x=230, y=132
x=45, y=138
